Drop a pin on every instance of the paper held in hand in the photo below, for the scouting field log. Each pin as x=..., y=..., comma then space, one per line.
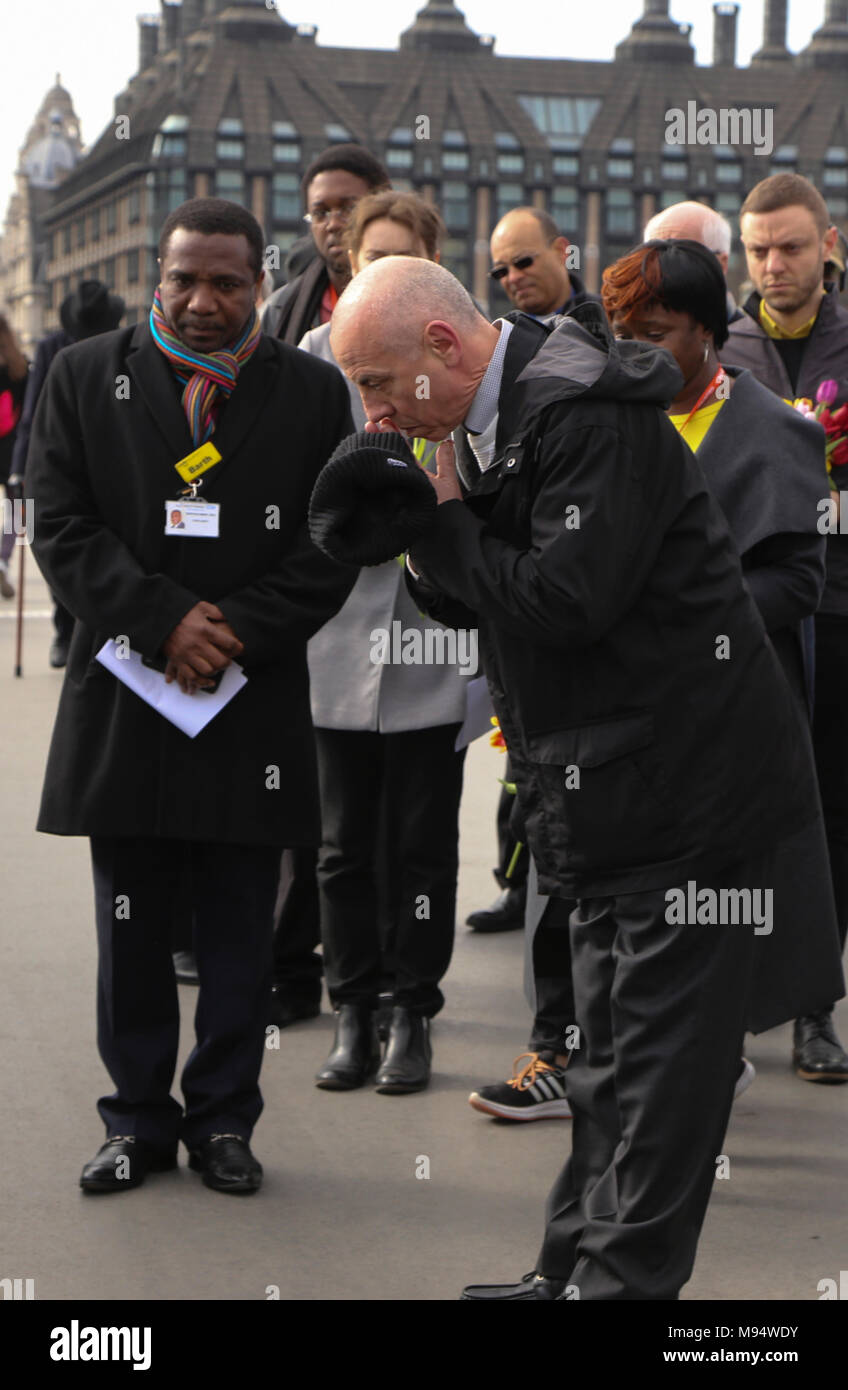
x=191, y=713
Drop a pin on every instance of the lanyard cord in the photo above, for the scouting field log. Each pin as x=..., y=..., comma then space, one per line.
x=716, y=381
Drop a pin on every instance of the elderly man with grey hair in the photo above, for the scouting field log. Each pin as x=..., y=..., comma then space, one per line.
x=576, y=531
x=696, y=222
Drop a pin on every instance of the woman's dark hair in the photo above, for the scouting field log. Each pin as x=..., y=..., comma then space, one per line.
x=354, y=159
x=212, y=216
x=680, y=275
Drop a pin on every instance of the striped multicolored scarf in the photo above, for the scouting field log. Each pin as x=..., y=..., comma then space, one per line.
x=203, y=375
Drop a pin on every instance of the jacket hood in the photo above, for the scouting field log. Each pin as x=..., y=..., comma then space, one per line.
x=580, y=357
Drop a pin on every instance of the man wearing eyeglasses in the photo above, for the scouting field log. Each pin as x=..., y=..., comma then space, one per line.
x=331, y=186
x=529, y=256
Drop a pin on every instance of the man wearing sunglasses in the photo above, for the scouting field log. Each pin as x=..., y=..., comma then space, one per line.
x=332, y=186
x=529, y=262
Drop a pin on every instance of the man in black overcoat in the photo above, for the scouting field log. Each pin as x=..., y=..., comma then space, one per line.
x=653, y=739
x=116, y=416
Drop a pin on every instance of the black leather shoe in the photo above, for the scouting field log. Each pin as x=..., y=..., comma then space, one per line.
x=124, y=1162
x=505, y=914
x=226, y=1163
x=59, y=652
x=185, y=966
x=356, y=1050
x=291, y=1008
x=817, y=1054
x=532, y=1286
x=406, y=1065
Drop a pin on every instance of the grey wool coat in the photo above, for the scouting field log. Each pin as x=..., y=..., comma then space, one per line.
x=100, y=470
x=349, y=690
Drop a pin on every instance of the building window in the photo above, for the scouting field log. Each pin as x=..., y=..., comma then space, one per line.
x=455, y=159
x=285, y=198
x=399, y=159
x=784, y=160
x=66, y=238
x=619, y=168
x=668, y=197
x=507, y=197
x=455, y=138
x=230, y=141
x=837, y=206
x=286, y=152
x=79, y=232
x=111, y=211
x=170, y=190
x=284, y=130
x=456, y=205
x=729, y=171
x=403, y=185
x=335, y=132
x=109, y=272
x=836, y=167
x=455, y=257
x=170, y=140
x=229, y=183
x=401, y=135
x=94, y=225
x=510, y=163
x=674, y=165
x=134, y=206
x=229, y=149
x=621, y=213
x=567, y=164
x=132, y=267
x=565, y=210
x=570, y=116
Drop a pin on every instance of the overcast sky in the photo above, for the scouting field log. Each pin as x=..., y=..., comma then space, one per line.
x=94, y=43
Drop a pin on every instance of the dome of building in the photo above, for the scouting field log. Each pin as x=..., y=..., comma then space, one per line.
x=50, y=157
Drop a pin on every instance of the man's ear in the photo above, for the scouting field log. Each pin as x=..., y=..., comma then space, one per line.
x=443, y=341
x=830, y=239
x=561, y=243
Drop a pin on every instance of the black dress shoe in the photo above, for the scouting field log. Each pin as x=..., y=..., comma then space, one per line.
x=185, y=967
x=59, y=652
x=226, y=1163
x=532, y=1286
x=291, y=1008
x=124, y=1162
x=356, y=1050
x=505, y=914
x=817, y=1054
x=406, y=1065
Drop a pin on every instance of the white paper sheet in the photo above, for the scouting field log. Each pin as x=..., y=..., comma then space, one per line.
x=191, y=713
x=478, y=713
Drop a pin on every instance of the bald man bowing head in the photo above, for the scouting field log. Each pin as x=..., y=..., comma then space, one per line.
x=575, y=530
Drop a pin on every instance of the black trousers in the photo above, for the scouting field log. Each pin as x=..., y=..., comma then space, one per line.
x=830, y=742
x=298, y=967
x=552, y=977
x=233, y=890
x=661, y=1011
x=415, y=779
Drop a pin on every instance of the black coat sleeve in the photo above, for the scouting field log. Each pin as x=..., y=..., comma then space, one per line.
x=785, y=574
x=88, y=567
x=571, y=585
x=306, y=588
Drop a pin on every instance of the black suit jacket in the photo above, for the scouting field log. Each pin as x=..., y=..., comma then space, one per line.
x=100, y=469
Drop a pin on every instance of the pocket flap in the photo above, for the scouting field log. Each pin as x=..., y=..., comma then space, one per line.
x=590, y=745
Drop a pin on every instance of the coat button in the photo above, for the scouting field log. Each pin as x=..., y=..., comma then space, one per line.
x=510, y=463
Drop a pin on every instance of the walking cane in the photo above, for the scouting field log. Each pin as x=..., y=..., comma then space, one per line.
x=20, y=624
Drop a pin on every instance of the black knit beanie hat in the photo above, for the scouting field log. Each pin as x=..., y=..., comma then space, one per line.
x=371, y=500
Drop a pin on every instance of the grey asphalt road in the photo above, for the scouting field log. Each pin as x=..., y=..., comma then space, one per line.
x=342, y=1214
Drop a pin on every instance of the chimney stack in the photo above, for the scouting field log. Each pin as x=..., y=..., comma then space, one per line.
x=170, y=26
x=828, y=47
x=192, y=16
x=724, y=35
x=774, y=48
x=148, y=41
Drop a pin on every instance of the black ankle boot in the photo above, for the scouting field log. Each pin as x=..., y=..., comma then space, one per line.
x=406, y=1065
x=356, y=1050
x=817, y=1053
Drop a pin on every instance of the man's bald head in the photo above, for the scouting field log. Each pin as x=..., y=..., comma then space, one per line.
x=410, y=338
x=691, y=221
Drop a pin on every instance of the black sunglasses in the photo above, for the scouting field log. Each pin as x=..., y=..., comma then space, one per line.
x=499, y=272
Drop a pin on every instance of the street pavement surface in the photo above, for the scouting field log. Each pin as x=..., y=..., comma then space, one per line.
x=342, y=1214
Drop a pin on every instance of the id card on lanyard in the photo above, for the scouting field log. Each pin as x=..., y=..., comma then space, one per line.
x=186, y=515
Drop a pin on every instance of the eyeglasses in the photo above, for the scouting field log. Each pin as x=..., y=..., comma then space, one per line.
x=500, y=272
x=318, y=216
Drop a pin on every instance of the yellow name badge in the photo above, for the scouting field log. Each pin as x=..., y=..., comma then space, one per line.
x=197, y=462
